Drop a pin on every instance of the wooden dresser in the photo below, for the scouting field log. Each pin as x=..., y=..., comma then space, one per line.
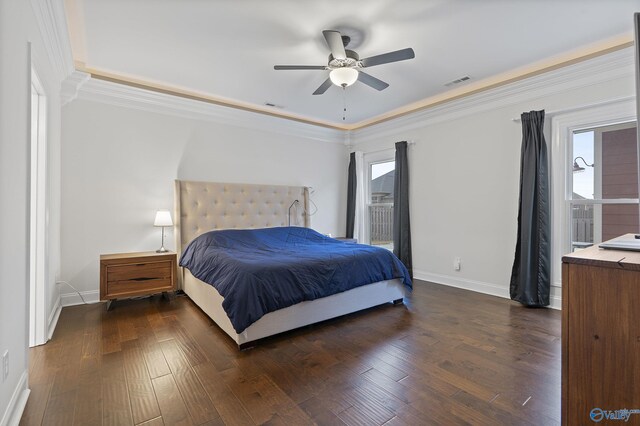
x=600, y=335
x=136, y=274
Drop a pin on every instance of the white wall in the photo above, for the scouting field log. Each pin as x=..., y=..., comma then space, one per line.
x=18, y=27
x=119, y=164
x=464, y=169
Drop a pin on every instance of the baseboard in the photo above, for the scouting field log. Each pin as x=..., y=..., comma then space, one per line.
x=466, y=284
x=72, y=299
x=479, y=286
x=17, y=403
x=555, y=298
x=53, y=317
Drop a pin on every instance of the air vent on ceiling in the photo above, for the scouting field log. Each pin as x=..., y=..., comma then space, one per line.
x=458, y=81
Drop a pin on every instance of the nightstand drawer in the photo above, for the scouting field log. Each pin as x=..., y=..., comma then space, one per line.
x=139, y=271
x=137, y=286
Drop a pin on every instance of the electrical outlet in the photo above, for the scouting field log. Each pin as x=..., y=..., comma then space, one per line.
x=5, y=365
x=456, y=263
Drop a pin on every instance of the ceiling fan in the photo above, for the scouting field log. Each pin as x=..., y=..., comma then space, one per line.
x=345, y=65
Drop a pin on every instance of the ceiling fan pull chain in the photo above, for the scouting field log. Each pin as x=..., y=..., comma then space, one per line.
x=344, y=102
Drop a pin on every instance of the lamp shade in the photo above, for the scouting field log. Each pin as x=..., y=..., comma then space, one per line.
x=343, y=76
x=163, y=218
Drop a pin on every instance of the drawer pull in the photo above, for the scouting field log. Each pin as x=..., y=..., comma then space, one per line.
x=143, y=279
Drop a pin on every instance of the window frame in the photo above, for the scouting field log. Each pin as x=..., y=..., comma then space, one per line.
x=377, y=157
x=563, y=126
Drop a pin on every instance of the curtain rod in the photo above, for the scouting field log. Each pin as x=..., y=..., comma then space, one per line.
x=409, y=143
x=579, y=108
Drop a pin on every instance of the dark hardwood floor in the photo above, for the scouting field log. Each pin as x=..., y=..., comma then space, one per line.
x=447, y=356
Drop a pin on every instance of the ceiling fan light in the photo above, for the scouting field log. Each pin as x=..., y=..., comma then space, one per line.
x=343, y=77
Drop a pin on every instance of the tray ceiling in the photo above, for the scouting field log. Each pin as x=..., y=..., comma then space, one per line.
x=224, y=51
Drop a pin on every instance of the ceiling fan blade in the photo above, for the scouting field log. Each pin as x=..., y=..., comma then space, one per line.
x=323, y=87
x=334, y=40
x=385, y=58
x=299, y=67
x=372, y=81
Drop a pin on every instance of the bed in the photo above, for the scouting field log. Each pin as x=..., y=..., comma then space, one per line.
x=204, y=206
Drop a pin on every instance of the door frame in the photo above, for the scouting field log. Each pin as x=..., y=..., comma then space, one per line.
x=38, y=212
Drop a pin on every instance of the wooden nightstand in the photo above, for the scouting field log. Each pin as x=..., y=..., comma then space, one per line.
x=136, y=274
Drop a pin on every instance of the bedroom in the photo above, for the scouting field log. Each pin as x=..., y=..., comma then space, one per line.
x=115, y=152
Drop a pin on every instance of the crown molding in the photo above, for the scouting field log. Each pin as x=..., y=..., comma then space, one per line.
x=122, y=95
x=71, y=85
x=51, y=20
x=194, y=95
x=610, y=66
x=614, y=65
x=584, y=53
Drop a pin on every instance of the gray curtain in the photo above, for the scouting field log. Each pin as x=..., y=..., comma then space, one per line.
x=530, y=275
x=351, y=196
x=401, y=225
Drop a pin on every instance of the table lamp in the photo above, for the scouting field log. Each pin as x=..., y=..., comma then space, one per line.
x=163, y=218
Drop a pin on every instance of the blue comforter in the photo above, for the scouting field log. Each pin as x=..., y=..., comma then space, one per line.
x=258, y=271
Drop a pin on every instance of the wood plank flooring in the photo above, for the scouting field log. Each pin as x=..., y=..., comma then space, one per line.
x=447, y=356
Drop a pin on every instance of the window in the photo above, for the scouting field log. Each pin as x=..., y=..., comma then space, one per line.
x=380, y=203
x=594, y=184
x=603, y=202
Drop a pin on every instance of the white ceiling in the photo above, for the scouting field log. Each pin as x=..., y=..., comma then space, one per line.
x=226, y=49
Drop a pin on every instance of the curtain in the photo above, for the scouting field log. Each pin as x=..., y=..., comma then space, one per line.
x=352, y=183
x=401, y=225
x=530, y=275
x=360, y=232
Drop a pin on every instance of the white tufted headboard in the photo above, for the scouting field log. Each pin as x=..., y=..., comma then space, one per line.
x=205, y=206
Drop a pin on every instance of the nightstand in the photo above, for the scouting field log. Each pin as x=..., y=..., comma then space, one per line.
x=126, y=275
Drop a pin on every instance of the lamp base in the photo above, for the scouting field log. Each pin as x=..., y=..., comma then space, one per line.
x=162, y=249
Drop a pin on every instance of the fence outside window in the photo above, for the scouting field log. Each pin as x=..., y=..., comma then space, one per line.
x=581, y=226
x=381, y=223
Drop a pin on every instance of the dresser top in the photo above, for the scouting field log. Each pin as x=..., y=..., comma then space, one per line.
x=596, y=256
x=132, y=255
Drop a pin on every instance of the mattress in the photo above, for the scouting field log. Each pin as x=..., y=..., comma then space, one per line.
x=263, y=270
